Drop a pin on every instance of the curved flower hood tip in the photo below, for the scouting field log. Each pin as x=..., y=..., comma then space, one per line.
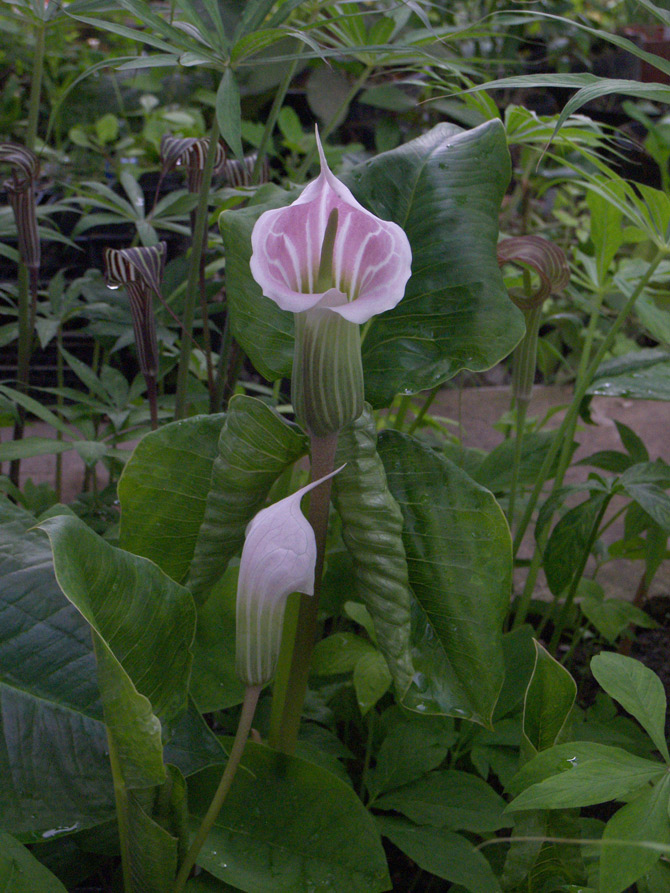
x=278, y=558
x=371, y=258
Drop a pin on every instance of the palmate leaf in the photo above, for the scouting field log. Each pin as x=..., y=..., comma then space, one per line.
x=445, y=190
x=460, y=567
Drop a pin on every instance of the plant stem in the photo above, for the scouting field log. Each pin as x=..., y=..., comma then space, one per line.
x=60, y=380
x=251, y=694
x=23, y=362
x=273, y=114
x=194, y=273
x=36, y=85
x=301, y=173
x=403, y=408
x=427, y=403
x=581, y=387
x=564, y=435
x=290, y=695
x=121, y=800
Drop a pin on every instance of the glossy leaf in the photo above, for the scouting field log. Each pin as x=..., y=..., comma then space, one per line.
x=442, y=853
x=639, y=691
x=255, y=446
x=48, y=695
x=163, y=492
x=371, y=530
x=642, y=375
x=289, y=826
x=549, y=698
x=645, y=820
x=20, y=872
x=449, y=798
x=459, y=559
x=580, y=773
x=142, y=625
x=228, y=113
x=456, y=313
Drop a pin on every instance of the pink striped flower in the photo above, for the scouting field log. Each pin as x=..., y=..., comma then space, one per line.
x=371, y=258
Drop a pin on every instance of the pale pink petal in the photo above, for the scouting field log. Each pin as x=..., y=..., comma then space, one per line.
x=371, y=257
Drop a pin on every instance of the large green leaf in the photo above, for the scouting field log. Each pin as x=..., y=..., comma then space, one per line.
x=444, y=189
x=143, y=625
x=371, y=530
x=54, y=770
x=288, y=826
x=163, y=492
x=255, y=446
x=20, y=872
x=460, y=568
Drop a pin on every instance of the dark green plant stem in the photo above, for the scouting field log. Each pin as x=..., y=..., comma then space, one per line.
x=302, y=171
x=23, y=362
x=36, y=85
x=194, y=273
x=152, y=397
x=525, y=361
x=563, y=438
x=251, y=694
x=25, y=308
x=60, y=380
x=577, y=576
x=403, y=408
x=206, y=341
x=427, y=403
x=368, y=753
x=231, y=360
x=290, y=695
x=273, y=114
x=121, y=800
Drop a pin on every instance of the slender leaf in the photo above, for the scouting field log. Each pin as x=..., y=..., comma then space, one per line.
x=639, y=691
x=228, y=112
x=549, y=699
x=442, y=853
x=581, y=773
